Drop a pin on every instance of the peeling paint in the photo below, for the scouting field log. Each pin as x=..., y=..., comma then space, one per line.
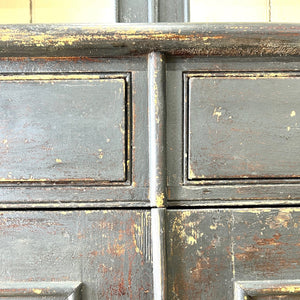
x=293, y=113
x=37, y=291
x=217, y=113
x=160, y=200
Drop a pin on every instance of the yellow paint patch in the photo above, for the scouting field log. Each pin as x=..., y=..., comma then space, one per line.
x=100, y=155
x=37, y=291
x=191, y=240
x=58, y=160
x=293, y=114
x=191, y=173
x=160, y=199
x=213, y=227
x=65, y=212
x=288, y=128
x=217, y=113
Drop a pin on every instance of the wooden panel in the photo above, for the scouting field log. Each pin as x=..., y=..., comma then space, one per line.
x=229, y=11
x=109, y=251
x=64, y=128
x=209, y=250
x=75, y=11
x=14, y=11
x=285, y=11
x=243, y=126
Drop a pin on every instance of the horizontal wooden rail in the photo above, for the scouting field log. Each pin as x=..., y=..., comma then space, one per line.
x=133, y=39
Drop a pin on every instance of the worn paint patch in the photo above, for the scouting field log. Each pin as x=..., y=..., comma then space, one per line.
x=160, y=199
x=293, y=113
x=37, y=291
x=100, y=154
x=217, y=113
x=191, y=240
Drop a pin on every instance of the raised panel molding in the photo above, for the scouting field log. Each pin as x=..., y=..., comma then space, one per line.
x=239, y=126
x=68, y=290
x=245, y=290
x=65, y=129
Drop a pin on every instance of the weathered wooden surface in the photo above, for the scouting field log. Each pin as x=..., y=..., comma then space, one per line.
x=209, y=250
x=108, y=251
x=85, y=132
x=127, y=39
x=157, y=129
x=242, y=125
x=237, y=136
x=64, y=128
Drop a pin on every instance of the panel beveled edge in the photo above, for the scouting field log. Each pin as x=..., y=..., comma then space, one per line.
x=243, y=290
x=70, y=289
x=127, y=165
x=194, y=180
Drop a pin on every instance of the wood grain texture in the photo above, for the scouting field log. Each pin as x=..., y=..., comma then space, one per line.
x=208, y=250
x=108, y=251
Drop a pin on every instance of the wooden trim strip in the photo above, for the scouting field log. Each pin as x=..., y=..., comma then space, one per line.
x=157, y=120
x=130, y=39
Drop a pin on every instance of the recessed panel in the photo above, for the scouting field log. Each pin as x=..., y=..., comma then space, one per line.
x=64, y=128
x=242, y=126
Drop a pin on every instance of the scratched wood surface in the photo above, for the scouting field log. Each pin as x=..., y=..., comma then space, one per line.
x=209, y=250
x=108, y=251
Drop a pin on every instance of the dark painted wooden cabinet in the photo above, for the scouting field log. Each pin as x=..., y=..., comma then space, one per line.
x=149, y=161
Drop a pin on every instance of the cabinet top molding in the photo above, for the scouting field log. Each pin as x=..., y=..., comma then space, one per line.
x=187, y=39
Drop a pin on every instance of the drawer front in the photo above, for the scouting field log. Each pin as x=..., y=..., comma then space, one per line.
x=232, y=131
x=91, y=254
x=73, y=132
x=242, y=125
x=233, y=254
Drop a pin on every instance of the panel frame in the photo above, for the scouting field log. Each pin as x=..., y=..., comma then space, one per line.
x=134, y=194
x=224, y=192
